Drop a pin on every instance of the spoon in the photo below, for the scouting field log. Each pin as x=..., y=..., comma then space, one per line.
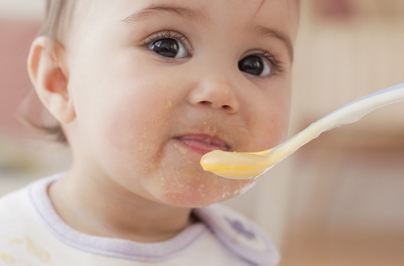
x=247, y=165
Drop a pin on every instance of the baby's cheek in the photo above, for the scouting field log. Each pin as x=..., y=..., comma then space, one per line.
x=271, y=131
x=133, y=133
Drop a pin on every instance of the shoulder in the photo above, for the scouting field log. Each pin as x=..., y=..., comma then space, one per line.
x=11, y=203
x=239, y=234
x=13, y=210
x=17, y=243
x=20, y=202
x=19, y=227
x=17, y=211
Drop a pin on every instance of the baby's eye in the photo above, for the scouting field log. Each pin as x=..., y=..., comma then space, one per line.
x=256, y=64
x=169, y=47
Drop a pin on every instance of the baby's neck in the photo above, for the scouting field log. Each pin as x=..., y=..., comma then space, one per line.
x=113, y=215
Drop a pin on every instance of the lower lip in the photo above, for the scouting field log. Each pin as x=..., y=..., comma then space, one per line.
x=198, y=146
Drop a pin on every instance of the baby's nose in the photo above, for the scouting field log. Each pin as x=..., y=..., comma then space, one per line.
x=217, y=94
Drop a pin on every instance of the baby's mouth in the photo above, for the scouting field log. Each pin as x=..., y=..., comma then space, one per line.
x=202, y=143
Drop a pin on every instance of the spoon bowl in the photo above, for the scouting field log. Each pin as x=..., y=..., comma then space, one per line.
x=247, y=165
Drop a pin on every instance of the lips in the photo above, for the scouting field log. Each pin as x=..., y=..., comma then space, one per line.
x=202, y=143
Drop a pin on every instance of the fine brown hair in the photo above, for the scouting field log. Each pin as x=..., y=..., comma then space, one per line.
x=58, y=15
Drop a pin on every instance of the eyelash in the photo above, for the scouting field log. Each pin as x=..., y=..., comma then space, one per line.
x=276, y=64
x=170, y=35
x=273, y=60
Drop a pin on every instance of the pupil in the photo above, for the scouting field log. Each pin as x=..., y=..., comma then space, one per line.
x=165, y=47
x=252, y=64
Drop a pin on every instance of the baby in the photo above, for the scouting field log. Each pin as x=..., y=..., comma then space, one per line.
x=141, y=90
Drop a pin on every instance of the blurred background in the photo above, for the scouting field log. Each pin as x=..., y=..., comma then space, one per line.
x=337, y=201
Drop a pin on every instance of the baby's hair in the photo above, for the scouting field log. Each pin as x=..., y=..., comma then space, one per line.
x=55, y=26
x=58, y=14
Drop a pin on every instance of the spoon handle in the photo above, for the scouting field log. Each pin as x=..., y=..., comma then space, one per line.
x=346, y=114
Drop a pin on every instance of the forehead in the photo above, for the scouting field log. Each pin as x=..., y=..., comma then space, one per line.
x=270, y=10
x=281, y=16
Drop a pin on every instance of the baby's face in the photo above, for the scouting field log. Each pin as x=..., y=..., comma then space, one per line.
x=156, y=84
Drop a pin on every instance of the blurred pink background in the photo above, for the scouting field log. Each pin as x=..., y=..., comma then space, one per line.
x=16, y=36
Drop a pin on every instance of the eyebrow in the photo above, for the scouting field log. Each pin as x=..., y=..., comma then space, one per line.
x=176, y=10
x=273, y=33
x=200, y=15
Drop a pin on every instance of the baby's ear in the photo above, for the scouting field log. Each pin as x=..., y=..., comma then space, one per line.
x=47, y=73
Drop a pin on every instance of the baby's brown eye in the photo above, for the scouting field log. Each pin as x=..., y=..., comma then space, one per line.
x=169, y=47
x=255, y=65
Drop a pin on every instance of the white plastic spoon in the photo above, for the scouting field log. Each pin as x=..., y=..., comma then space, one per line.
x=247, y=165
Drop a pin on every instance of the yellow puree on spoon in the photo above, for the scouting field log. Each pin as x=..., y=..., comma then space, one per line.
x=247, y=165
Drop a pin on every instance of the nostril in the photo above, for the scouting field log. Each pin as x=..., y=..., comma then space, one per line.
x=204, y=102
x=225, y=107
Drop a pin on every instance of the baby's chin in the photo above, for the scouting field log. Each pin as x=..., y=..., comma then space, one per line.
x=197, y=191
x=180, y=181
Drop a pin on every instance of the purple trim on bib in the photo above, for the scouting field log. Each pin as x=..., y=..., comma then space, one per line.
x=118, y=248
x=240, y=235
